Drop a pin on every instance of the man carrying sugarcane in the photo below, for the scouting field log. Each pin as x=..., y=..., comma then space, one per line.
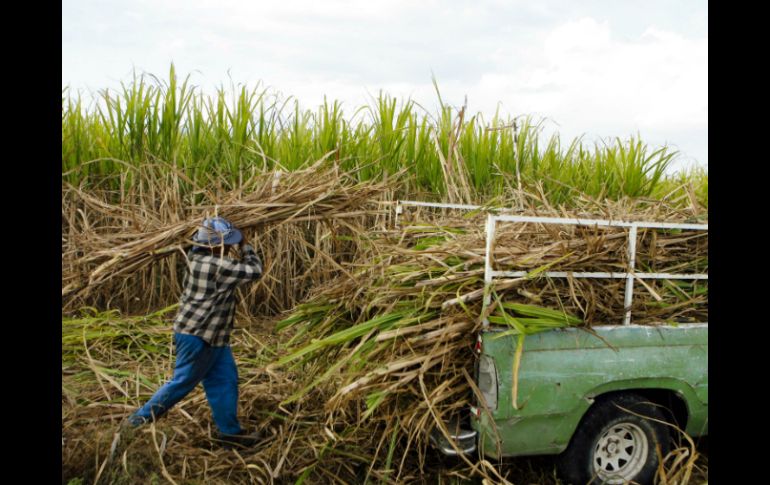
x=202, y=331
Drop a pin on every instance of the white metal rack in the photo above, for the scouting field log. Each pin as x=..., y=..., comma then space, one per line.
x=439, y=205
x=629, y=275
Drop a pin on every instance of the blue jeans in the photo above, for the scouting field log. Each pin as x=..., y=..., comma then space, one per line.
x=197, y=361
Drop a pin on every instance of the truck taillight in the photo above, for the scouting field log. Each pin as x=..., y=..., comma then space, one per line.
x=487, y=381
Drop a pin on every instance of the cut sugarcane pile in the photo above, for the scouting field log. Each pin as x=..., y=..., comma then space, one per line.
x=303, y=223
x=381, y=349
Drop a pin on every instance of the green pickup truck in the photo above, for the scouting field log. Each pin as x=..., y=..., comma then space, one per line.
x=601, y=398
x=606, y=400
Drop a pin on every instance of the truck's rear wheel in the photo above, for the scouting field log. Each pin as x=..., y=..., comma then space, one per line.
x=614, y=445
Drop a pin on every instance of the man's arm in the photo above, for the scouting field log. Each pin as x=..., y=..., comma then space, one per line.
x=248, y=269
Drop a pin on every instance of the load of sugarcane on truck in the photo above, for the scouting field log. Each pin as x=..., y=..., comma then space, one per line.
x=608, y=401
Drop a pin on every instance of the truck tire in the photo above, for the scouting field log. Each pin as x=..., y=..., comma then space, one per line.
x=614, y=446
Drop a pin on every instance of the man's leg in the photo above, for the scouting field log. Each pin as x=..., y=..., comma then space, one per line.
x=194, y=358
x=221, y=386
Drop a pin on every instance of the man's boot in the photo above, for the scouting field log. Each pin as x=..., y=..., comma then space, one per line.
x=240, y=440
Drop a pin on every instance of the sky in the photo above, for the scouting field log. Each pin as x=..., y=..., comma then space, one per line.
x=593, y=68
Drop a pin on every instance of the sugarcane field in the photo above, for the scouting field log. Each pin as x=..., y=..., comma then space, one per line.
x=423, y=296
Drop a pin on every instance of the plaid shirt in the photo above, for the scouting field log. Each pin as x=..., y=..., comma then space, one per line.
x=207, y=305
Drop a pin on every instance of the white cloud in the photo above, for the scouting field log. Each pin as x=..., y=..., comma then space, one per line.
x=585, y=36
x=590, y=82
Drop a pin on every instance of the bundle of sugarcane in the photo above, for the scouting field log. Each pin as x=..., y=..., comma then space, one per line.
x=302, y=222
x=394, y=338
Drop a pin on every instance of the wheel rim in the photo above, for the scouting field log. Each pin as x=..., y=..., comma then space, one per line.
x=620, y=453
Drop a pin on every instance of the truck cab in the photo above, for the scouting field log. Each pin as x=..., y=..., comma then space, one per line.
x=604, y=399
